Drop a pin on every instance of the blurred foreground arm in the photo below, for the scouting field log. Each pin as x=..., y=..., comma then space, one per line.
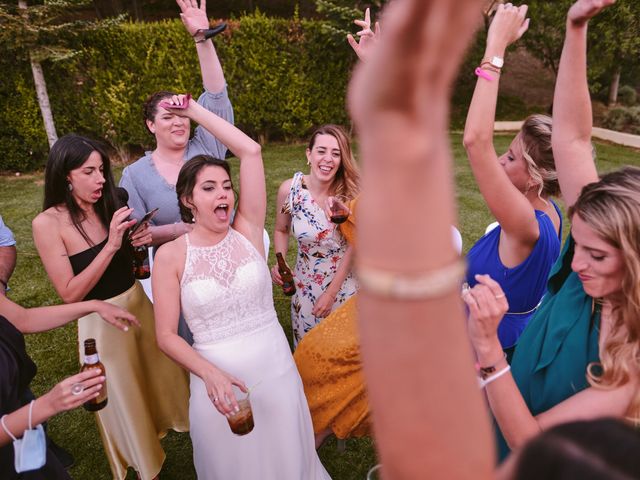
x=427, y=410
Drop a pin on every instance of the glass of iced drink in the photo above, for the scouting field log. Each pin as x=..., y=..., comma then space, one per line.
x=241, y=422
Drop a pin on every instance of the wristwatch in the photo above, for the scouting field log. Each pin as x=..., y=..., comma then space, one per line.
x=494, y=61
x=205, y=34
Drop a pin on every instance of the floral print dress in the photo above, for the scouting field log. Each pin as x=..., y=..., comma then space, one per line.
x=321, y=248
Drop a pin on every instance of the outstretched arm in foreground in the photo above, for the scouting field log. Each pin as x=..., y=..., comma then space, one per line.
x=427, y=409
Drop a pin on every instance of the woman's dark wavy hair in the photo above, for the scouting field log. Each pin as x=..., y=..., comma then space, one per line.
x=150, y=106
x=604, y=449
x=68, y=153
x=187, y=181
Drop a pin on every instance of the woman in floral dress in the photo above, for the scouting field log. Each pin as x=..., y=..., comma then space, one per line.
x=322, y=272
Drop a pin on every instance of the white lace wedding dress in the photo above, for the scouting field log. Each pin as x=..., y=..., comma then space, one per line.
x=228, y=304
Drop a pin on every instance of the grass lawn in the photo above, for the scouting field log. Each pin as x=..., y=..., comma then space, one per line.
x=55, y=352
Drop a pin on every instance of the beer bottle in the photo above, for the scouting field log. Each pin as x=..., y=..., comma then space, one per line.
x=288, y=285
x=141, y=267
x=91, y=360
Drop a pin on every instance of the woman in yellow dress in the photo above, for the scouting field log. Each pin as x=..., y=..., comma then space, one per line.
x=328, y=359
x=329, y=362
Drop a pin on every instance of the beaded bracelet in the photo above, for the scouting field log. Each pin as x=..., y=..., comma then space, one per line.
x=401, y=286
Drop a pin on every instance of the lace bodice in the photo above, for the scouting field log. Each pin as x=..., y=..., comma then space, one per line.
x=226, y=290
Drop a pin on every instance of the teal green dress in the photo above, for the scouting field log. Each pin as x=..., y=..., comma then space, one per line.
x=550, y=361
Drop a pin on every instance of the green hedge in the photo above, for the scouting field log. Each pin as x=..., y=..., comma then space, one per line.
x=284, y=76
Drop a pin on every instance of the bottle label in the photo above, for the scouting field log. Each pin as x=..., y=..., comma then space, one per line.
x=91, y=359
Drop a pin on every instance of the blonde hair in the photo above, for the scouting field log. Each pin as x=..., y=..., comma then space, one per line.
x=611, y=207
x=535, y=140
x=347, y=179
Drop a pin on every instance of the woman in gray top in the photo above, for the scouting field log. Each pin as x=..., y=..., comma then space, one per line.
x=150, y=181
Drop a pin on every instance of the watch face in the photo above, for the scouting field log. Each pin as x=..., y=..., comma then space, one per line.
x=497, y=62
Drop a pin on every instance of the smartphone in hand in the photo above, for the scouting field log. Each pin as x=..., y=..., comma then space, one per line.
x=143, y=221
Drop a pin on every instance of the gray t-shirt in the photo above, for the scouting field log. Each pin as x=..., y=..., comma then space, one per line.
x=148, y=189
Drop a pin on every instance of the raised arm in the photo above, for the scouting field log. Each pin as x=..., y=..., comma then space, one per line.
x=399, y=101
x=195, y=18
x=41, y=319
x=572, y=116
x=55, y=258
x=507, y=204
x=366, y=37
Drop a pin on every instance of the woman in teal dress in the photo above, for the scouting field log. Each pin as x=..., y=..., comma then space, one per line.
x=578, y=357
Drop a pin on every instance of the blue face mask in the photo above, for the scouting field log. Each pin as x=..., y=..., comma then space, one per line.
x=30, y=451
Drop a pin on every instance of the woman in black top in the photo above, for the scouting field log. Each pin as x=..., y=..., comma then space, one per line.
x=79, y=237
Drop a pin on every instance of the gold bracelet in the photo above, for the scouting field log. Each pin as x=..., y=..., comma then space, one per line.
x=401, y=286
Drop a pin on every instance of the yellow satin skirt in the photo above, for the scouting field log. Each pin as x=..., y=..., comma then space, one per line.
x=148, y=393
x=329, y=362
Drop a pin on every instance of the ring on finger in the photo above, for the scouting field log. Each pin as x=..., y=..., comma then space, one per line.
x=500, y=295
x=77, y=389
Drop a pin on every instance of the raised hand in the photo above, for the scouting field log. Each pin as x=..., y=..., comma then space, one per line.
x=424, y=42
x=508, y=25
x=583, y=10
x=193, y=17
x=367, y=37
x=181, y=105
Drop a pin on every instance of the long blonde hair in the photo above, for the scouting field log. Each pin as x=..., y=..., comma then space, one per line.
x=611, y=207
x=535, y=140
x=347, y=179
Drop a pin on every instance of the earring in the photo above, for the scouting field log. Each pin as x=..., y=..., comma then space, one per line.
x=308, y=163
x=69, y=187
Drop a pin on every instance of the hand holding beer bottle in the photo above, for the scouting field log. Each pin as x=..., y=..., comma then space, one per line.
x=288, y=283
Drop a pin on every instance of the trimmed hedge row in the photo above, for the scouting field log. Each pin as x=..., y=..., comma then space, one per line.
x=285, y=76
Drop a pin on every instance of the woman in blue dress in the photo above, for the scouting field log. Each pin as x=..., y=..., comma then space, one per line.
x=517, y=185
x=578, y=357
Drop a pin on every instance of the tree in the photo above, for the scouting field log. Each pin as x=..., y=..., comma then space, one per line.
x=614, y=40
x=38, y=33
x=340, y=14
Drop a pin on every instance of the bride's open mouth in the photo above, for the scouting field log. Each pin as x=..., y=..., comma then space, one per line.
x=222, y=212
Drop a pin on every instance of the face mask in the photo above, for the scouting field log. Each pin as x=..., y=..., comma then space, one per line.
x=30, y=452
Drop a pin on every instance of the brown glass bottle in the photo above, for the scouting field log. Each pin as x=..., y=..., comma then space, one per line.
x=141, y=267
x=92, y=360
x=288, y=285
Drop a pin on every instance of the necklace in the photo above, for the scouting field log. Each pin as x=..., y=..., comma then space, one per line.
x=168, y=162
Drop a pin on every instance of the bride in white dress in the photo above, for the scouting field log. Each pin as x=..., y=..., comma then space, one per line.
x=219, y=277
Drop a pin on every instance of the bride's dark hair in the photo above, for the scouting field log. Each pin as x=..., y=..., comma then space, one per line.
x=187, y=181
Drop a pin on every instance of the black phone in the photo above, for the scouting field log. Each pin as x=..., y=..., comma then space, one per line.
x=144, y=220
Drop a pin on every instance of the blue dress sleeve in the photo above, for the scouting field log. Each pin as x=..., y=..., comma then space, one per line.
x=203, y=142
